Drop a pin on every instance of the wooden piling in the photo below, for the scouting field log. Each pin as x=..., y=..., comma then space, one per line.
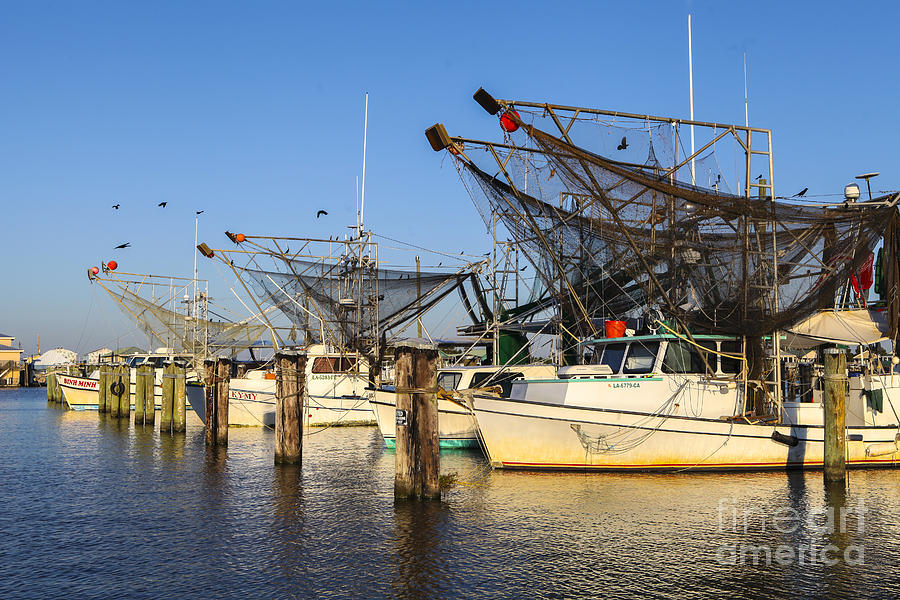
x=835, y=415
x=124, y=379
x=139, y=392
x=168, y=398
x=217, y=375
x=149, y=395
x=103, y=389
x=290, y=384
x=417, y=460
x=209, y=393
x=49, y=381
x=179, y=415
x=113, y=395
x=223, y=381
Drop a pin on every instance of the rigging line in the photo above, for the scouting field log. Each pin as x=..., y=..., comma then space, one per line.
x=86, y=318
x=455, y=256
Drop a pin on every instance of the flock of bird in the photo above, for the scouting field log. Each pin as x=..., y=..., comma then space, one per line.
x=124, y=245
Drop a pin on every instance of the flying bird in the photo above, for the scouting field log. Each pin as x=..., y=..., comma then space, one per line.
x=115, y=206
x=125, y=245
x=163, y=204
x=623, y=145
x=320, y=213
x=199, y=212
x=801, y=193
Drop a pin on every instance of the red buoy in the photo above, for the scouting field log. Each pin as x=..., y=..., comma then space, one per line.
x=94, y=270
x=240, y=237
x=112, y=265
x=506, y=122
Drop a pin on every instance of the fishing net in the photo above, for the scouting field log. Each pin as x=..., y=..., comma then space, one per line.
x=348, y=302
x=612, y=238
x=184, y=333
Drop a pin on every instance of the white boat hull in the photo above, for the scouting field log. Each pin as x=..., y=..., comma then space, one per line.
x=590, y=425
x=456, y=425
x=82, y=393
x=252, y=404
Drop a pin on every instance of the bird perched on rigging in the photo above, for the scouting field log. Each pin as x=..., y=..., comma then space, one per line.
x=125, y=245
x=623, y=144
x=163, y=204
x=801, y=193
x=116, y=206
x=199, y=212
x=320, y=213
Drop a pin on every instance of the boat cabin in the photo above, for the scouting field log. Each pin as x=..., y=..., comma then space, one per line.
x=462, y=378
x=665, y=353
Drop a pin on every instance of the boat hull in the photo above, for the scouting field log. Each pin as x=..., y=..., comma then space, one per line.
x=456, y=425
x=558, y=434
x=252, y=404
x=82, y=393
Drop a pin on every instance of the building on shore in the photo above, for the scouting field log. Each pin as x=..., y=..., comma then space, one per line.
x=10, y=361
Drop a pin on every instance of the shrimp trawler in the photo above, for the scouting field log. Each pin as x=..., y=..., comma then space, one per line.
x=173, y=313
x=331, y=300
x=692, y=319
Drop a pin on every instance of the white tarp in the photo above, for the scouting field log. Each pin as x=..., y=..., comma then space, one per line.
x=860, y=326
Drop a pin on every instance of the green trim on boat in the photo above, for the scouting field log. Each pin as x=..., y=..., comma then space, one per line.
x=391, y=444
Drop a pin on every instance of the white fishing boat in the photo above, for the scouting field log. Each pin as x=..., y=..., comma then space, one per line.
x=650, y=404
x=82, y=393
x=336, y=393
x=456, y=424
x=653, y=241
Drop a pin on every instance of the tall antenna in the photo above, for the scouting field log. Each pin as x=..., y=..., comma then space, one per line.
x=196, y=241
x=362, y=203
x=691, y=86
x=746, y=97
x=358, y=232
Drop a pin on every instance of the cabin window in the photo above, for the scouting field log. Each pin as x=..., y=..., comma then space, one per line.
x=684, y=357
x=504, y=380
x=641, y=358
x=448, y=381
x=731, y=365
x=612, y=356
x=334, y=364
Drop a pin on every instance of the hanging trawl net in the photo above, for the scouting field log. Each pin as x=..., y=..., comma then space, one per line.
x=613, y=239
x=346, y=302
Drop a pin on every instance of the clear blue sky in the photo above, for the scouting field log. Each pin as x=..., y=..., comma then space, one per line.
x=253, y=113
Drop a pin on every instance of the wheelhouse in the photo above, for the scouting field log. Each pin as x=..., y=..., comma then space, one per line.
x=707, y=355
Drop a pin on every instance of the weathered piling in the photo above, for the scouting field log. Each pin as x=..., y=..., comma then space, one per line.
x=417, y=462
x=144, y=407
x=217, y=375
x=167, y=403
x=103, y=389
x=124, y=379
x=835, y=416
x=290, y=386
x=139, y=392
x=179, y=415
x=223, y=381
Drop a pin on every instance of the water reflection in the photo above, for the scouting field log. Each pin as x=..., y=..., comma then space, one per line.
x=243, y=527
x=419, y=529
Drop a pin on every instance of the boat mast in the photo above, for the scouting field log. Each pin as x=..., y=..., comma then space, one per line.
x=362, y=202
x=691, y=90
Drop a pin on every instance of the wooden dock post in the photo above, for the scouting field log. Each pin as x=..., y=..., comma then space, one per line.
x=113, y=392
x=835, y=415
x=124, y=379
x=290, y=384
x=49, y=381
x=168, y=395
x=417, y=463
x=223, y=381
x=179, y=416
x=139, y=392
x=217, y=376
x=103, y=389
x=149, y=395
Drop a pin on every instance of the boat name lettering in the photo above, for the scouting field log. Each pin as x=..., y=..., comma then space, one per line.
x=242, y=395
x=90, y=384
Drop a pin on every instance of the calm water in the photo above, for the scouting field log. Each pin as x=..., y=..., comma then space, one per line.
x=94, y=509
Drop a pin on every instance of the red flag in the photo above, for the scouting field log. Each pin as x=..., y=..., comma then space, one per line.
x=865, y=276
